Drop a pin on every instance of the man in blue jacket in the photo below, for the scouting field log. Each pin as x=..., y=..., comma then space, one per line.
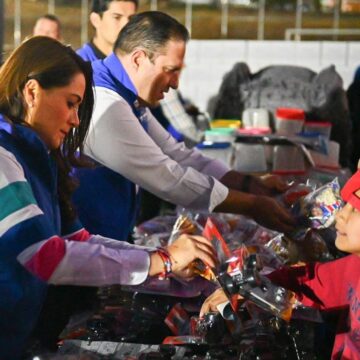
x=107, y=17
x=132, y=149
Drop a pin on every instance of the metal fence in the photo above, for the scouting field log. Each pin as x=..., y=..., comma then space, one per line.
x=221, y=19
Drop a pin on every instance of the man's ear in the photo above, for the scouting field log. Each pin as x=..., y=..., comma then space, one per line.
x=95, y=19
x=138, y=57
x=30, y=92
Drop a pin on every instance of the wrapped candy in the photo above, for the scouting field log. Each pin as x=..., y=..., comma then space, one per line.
x=294, y=193
x=184, y=224
x=223, y=253
x=278, y=247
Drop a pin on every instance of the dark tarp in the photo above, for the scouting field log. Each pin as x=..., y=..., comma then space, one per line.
x=320, y=95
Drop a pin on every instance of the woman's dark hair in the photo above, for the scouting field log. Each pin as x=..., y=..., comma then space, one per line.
x=53, y=65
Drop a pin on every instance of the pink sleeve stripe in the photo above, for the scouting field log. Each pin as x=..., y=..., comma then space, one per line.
x=80, y=235
x=44, y=262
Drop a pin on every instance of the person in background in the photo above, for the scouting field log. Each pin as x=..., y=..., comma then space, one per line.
x=107, y=17
x=131, y=148
x=183, y=118
x=331, y=286
x=353, y=97
x=48, y=25
x=46, y=95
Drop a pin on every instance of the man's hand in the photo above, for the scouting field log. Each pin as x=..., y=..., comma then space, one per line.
x=268, y=212
x=267, y=185
x=264, y=210
x=260, y=185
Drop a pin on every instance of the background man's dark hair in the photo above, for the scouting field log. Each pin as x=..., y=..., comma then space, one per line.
x=50, y=17
x=100, y=6
x=151, y=31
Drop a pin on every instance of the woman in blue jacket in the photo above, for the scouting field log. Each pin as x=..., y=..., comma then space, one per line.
x=46, y=96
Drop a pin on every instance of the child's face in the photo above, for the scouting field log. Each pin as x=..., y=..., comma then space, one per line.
x=348, y=228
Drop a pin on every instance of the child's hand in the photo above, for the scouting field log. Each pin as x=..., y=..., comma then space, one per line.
x=216, y=298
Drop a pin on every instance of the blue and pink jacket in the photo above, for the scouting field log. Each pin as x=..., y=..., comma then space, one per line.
x=37, y=248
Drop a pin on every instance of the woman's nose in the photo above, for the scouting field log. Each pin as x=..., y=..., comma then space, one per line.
x=75, y=120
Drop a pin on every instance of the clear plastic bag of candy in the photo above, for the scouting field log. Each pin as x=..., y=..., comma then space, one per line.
x=317, y=209
x=278, y=247
x=295, y=192
x=185, y=224
x=154, y=232
x=223, y=253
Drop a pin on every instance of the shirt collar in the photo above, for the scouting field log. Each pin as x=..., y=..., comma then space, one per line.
x=98, y=53
x=116, y=68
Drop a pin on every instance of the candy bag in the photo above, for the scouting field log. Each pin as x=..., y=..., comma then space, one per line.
x=317, y=209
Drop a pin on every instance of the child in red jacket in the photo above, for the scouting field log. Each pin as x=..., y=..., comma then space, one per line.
x=334, y=285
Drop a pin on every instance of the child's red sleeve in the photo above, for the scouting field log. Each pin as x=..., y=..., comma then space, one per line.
x=320, y=285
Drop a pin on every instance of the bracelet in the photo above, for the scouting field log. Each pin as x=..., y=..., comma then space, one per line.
x=246, y=183
x=165, y=257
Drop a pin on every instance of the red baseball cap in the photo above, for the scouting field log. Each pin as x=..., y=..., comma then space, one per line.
x=349, y=189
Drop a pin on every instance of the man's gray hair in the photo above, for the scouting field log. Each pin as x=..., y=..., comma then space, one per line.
x=150, y=31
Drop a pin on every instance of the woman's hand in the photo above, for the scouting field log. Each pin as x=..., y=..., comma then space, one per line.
x=182, y=253
x=188, y=248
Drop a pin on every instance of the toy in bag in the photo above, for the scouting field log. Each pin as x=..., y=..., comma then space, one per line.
x=242, y=277
x=317, y=209
x=238, y=274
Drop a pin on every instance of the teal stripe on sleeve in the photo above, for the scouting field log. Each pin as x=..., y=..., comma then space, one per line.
x=14, y=197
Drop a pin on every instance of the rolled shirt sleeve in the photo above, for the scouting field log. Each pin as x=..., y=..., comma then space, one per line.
x=95, y=261
x=31, y=236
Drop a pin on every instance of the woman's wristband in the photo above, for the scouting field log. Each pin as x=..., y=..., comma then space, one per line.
x=165, y=257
